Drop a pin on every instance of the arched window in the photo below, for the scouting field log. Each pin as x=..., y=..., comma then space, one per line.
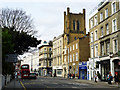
x=77, y=25
x=73, y=24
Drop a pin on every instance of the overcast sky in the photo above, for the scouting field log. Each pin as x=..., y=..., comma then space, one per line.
x=48, y=15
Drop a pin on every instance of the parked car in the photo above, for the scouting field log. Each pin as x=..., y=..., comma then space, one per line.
x=32, y=76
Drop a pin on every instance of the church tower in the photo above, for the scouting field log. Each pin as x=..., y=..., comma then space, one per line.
x=74, y=26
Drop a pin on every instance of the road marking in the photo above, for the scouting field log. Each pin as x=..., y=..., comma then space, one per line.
x=22, y=85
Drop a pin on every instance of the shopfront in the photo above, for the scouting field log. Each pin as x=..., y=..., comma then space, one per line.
x=117, y=68
x=83, y=70
x=105, y=69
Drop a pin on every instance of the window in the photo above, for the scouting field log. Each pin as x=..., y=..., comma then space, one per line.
x=113, y=7
x=92, y=52
x=114, y=25
x=73, y=57
x=107, y=48
x=91, y=23
x=107, y=29
x=45, y=49
x=119, y=4
x=58, y=61
x=101, y=16
x=101, y=31
x=106, y=12
x=70, y=58
x=45, y=55
x=59, y=72
x=73, y=24
x=102, y=49
x=73, y=47
x=50, y=49
x=60, y=43
x=96, y=35
x=70, y=48
x=65, y=49
x=60, y=50
x=95, y=20
x=115, y=46
x=96, y=50
x=39, y=64
x=77, y=25
x=49, y=63
x=91, y=36
x=64, y=58
x=76, y=56
x=50, y=55
x=76, y=46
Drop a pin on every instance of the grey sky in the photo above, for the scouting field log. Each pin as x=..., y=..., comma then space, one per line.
x=48, y=15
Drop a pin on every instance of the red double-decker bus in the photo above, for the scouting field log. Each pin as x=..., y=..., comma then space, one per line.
x=25, y=71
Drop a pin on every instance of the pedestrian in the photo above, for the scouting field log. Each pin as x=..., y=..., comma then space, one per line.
x=110, y=78
x=96, y=78
x=70, y=75
x=116, y=78
x=73, y=76
x=99, y=76
x=107, y=77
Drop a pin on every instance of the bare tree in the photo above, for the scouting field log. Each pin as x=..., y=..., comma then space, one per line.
x=17, y=20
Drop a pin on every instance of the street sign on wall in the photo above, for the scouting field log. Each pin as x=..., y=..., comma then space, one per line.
x=11, y=58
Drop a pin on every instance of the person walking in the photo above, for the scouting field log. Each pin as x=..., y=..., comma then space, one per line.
x=96, y=78
x=116, y=78
x=70, y=75
x=110, y=78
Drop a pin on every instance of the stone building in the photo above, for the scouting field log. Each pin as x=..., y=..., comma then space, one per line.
x=104, y=26
x=57, y=55
x=78, y=54
x=45, y=60
x=74, y=28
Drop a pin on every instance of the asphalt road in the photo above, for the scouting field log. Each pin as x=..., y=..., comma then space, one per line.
x=54, y=83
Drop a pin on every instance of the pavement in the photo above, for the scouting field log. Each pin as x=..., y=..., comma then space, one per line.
x=13, y=85
x=102, y=83
x=16, y=84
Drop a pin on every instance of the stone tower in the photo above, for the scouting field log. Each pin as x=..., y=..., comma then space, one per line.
x=74, y=26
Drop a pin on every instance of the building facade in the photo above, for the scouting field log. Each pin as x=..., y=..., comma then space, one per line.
x=58, y=56
x=32, y=59
x=104, y=25
x=74, y=28
x=78, y=55
x=45, y=60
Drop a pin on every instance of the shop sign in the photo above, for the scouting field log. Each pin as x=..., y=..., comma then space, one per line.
x=83, y=67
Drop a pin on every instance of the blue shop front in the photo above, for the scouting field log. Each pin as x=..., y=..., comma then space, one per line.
x=83, y=70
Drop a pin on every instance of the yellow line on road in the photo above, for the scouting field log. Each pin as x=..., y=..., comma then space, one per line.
x=22, y=85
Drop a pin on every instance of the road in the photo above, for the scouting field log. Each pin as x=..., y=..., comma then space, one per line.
x=59, y=83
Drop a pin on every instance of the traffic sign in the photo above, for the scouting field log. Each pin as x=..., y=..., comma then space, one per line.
x=11, y=58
